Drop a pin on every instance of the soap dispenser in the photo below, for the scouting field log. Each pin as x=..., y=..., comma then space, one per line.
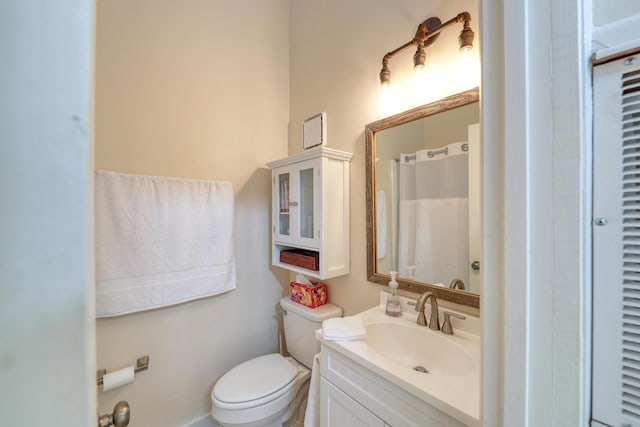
x=393, y=300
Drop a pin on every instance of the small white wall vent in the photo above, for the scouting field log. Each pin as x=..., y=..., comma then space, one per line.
x=314, y=131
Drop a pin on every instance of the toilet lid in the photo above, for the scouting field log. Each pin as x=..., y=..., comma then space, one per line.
x=255, y=379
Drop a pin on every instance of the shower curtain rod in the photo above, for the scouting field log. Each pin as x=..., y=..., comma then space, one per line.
x=431, y=153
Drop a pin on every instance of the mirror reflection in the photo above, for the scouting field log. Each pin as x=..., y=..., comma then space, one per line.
x=425, y=186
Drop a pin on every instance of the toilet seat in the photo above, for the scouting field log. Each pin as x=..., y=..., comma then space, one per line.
x=255, y=382
x=260, y=409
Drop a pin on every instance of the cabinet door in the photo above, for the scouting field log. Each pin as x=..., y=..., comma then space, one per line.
x=616, y=244
x=282, y=187
x=339, y=410
x=297, y=202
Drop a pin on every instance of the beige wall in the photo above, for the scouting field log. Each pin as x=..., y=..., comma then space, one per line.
x=198, y=90
x=449, y=127
x=336, y=52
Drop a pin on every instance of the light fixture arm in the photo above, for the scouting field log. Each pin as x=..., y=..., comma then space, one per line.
x=426, y=36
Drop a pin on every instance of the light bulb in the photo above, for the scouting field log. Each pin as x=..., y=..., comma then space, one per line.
x=467, y=69
x=388, y=99
x=419, y=85
x=419, y=57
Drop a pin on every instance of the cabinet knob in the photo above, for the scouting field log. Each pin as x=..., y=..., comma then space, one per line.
x=293, y=204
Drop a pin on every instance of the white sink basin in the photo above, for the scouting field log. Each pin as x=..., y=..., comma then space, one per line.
x=414, y=346
x=395, y=346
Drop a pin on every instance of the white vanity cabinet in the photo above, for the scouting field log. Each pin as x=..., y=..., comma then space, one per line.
x=341, y=410
x=310, y=211
x=353, y=395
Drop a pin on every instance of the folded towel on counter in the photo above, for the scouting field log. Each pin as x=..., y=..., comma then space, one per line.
x=161, y=241
x=312, y=413
x=343, y=329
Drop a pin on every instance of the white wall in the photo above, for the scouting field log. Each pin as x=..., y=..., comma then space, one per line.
x=198, y=90
x=336, y=52
x=615, y=27
x=46, y=252
x=608, y=11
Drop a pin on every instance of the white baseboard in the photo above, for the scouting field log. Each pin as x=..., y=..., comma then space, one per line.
x=205, y=421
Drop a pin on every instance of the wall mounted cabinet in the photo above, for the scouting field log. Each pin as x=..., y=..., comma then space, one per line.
x=310, y=212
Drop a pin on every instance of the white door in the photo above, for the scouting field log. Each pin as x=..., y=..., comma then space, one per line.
x=616, y=240
x=47, y=345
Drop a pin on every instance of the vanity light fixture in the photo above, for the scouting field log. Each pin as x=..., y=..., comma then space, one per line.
x=427, y=34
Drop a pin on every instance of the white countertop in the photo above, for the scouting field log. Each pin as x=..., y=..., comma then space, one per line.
x=457, y=394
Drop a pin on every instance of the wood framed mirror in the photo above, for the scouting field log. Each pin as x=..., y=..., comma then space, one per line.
x=423, y=227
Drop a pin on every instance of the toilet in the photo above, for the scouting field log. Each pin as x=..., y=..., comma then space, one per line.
x=271, y=390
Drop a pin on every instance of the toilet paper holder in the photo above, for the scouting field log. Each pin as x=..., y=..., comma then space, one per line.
x=142, y=364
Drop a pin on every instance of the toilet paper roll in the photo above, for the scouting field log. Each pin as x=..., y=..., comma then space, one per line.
x=118, y=378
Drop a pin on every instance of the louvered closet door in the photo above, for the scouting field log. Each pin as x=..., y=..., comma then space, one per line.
x=616, y=239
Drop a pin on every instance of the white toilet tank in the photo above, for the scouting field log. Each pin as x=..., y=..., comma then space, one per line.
x=300, y=325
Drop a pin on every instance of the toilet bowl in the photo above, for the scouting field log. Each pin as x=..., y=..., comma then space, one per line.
x=271, y=390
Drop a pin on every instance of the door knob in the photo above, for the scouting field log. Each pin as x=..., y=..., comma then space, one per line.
x=121, y=413
x=119, y=418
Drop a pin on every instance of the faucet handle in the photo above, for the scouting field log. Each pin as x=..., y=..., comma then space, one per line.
x=447, y=327
x=422, y=319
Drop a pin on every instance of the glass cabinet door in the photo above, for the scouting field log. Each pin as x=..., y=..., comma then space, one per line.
x=296, y=203
x=305, y=209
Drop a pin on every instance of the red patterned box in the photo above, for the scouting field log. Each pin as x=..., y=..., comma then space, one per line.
x=311, y=296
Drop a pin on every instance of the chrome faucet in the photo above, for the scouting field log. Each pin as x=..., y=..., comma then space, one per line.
x=434, y=321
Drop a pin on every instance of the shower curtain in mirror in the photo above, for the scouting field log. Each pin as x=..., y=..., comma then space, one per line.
x=433, y=215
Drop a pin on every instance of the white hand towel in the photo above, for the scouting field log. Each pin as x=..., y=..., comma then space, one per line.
x=343, y=329
x=312, y=414
x=161, y=241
